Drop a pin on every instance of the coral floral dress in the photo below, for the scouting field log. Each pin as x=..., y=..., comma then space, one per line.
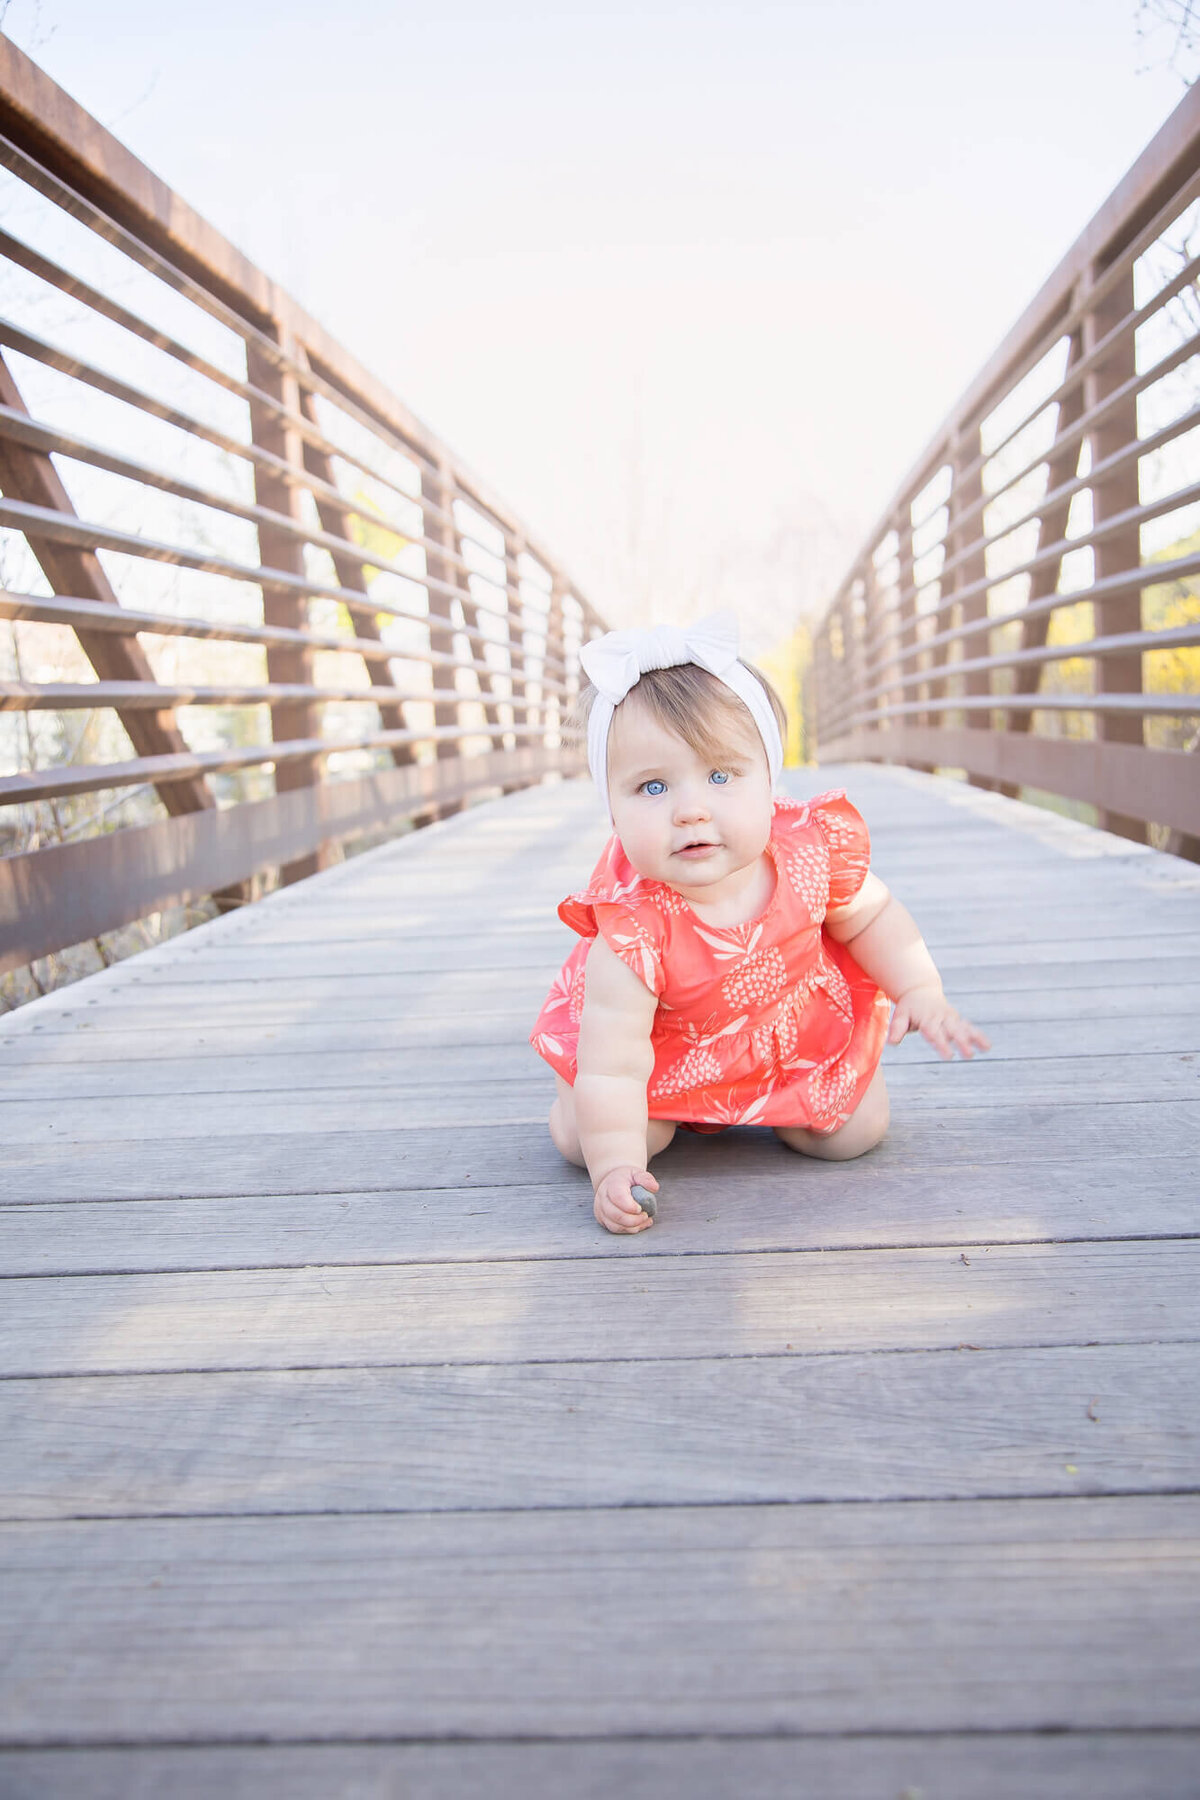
x=770, y=1022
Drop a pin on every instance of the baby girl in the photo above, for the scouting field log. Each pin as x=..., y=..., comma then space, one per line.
x=738, y=959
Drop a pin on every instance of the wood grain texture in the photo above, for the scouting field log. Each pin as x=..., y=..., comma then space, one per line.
x=284, y=1016
x=476, y=950
x=1043, y=1137
x=721, y=1197
x=1101, y=1765
x=959, y=1424
x=600, y=1309
x=1105, y=1067
x=506, y=1082
x=1019, y=1615
x=331, y=1414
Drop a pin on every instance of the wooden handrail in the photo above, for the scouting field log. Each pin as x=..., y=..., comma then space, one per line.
x=893, y=677
x=341, y=471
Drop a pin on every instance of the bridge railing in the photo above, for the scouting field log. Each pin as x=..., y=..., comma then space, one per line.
x=1027, y=611
x=255, y=607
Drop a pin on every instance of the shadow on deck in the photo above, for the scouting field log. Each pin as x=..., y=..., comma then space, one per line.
x=335, y=1430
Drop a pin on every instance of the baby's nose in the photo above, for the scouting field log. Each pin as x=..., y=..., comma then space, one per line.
x=691, y=806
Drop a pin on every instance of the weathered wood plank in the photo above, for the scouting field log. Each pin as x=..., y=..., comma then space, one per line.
x=477, y=951
x=277, y=1008
x=456, y=983
x=1074, y=989
x=480, y=952
x=996, y=1297
x=512, y=1154
x=1021, y=1615
x=284, y=1093
x=91, y=1036
x=266, y=1278
x=1048, y=916
x=112, y=1063
x=1151, y=1022
x=717, y=1200
x=201, y=1114
x=918, y=1426
x=521, y=1087
x=1103, y=1765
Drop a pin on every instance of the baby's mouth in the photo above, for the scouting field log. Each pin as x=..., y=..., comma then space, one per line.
x=696, y=847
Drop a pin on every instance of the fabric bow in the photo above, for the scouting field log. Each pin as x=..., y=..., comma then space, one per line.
x=615, y=663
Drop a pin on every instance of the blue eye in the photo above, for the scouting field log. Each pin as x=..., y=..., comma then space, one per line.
x=654, y=788
x=719, y=776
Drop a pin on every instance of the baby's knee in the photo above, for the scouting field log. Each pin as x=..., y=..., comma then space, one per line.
x=863, y=1130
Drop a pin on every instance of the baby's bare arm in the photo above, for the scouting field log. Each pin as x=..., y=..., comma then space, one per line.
x=615, y=1064
x=882, y=935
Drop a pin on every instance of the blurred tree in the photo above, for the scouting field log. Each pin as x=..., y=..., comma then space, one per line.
x=1169, y=32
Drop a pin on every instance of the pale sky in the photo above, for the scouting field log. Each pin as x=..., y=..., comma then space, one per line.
x=690, y=285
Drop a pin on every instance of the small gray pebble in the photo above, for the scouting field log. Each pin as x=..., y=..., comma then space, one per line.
x=646, y=1200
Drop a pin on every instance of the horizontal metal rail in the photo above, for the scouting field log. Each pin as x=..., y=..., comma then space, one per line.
x=57, y=784
x=935, y=653
x=93, y=616
x=47, y=524
x=463, y=632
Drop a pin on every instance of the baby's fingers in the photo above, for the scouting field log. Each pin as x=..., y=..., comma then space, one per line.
x=613, y=1218
x=901, y=1024
x=615, y=1207
x=937, y=1032
x=972, y=1038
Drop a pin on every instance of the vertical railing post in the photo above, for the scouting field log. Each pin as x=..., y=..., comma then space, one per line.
x=1052, y=528
x=1114, y=493
x=437, y=498
x=878, y=649
x=857, y=652
x=907, y=617
x=272, y=430
x=522, y=709
x=949, y=581
x=337, y=520
x=554, y=687
x=840, y=686
x=966, y=494
x=818, y=710
x=835, y=708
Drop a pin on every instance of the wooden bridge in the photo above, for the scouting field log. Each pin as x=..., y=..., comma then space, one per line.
x=333, y=1421
x=342, y=1454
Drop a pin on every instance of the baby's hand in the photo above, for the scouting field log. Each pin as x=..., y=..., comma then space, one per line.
x=927, y=1010
x=615, y=1206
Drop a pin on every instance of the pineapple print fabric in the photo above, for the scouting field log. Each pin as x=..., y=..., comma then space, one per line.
x=769, y=1022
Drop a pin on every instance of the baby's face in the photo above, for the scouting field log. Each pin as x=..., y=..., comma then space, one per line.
x=680, y=819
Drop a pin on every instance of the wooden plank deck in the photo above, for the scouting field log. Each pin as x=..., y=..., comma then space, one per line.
x=344, y=1456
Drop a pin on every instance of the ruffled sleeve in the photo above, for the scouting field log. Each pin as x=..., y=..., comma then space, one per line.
x=849, y=842
x=619, y=906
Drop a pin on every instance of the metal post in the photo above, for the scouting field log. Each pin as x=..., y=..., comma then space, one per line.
x=1052, y=528
x=437, y=494
x=1114, y=493
x=271, y=430
x=337, y=521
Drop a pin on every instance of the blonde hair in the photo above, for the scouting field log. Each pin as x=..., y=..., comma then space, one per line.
x=693, y=705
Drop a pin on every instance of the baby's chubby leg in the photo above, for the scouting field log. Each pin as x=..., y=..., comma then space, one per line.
x=565, y=1133
x=861, y=1132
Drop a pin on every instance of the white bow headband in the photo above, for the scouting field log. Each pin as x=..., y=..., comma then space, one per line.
x=616, y=662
